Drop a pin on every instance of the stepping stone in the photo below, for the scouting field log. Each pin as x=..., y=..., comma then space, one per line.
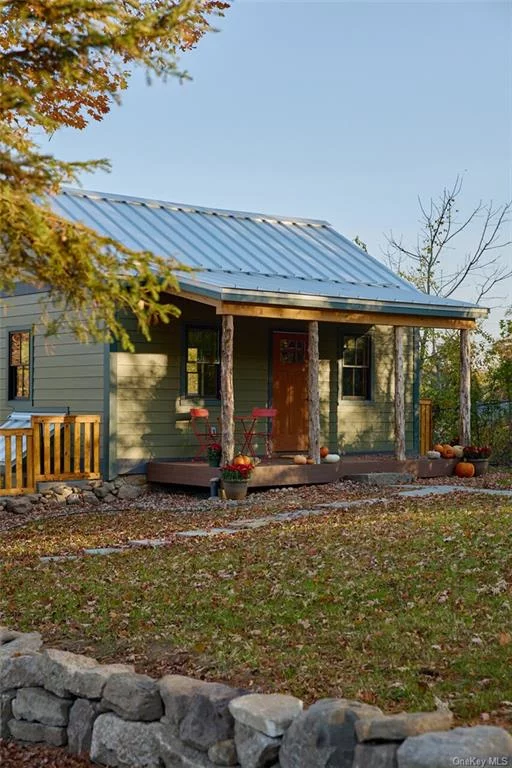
x=148, y=542
x=432, y=490
x=251, y=522
x=103, y=550
x=381, y=478
x=353, y=503
x=57, y=558
x=203, y=532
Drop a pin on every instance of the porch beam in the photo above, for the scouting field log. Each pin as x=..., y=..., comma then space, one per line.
x=313, y=392
x=399, y=395
x=227, y=402
x=342, y=316
x=465, y=388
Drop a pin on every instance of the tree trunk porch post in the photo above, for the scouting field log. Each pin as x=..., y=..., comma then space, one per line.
x=399, y=394
x=313, y=392
x=465, y=388
x=227, y=408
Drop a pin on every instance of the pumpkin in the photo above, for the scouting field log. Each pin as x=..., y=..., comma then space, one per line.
x=332, y=458
x=242, y=460
x=447, y=452
x=309, y=460
x=324, y=451
x=438, y=447
x=465, y=469
x=433, y=455
x=300, y=459
x=458, y=451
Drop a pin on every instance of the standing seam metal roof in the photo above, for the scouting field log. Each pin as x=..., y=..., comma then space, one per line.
x=252, y=253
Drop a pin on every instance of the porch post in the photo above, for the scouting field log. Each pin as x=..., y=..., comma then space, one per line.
x=227, y=404
x=399, y=394
x=313, y=392
x=465, y=388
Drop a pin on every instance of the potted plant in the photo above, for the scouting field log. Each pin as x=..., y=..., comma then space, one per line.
x=214, y=454
x=235, y=479
x=479, y=457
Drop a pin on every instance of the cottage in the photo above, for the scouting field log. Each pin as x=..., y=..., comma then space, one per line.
x=278, y=312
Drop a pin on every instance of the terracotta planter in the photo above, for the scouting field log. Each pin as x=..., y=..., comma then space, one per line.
x=235, y=489
x=481, y=466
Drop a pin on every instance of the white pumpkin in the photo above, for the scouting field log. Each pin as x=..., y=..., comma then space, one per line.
x=458, y=451
x=433, y=455
x=332, y=458
x=300, y=459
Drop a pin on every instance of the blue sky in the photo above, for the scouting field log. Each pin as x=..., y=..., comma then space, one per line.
x=344, y=111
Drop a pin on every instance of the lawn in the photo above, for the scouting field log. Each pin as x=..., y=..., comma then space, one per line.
x=395, y=604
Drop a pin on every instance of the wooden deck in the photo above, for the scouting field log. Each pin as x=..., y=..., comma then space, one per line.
x=283, y=472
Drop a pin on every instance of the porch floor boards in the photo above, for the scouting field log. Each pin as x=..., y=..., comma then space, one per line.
x=282, y=472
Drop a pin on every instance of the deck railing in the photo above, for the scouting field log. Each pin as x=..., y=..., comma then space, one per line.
x=18, y=469
x=53, y=448
x=66, y=447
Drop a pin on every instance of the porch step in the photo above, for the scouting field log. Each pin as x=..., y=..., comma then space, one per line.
x=381, y=478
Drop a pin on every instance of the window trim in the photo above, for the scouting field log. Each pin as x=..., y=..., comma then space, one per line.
x=11, y=398
x=186, y=396
x=369, y=368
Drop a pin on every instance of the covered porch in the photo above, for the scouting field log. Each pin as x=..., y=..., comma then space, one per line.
x=320, y=406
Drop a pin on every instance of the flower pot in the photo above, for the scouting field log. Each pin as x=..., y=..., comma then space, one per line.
x=235, y=489
x=481, y=466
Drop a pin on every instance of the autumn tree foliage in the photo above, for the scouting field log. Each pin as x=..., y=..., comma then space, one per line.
x=63, y=63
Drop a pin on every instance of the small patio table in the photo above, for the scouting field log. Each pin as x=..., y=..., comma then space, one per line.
x=249, y=425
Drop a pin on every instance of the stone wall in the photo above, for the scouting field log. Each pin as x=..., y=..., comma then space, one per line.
x=121, y=718
x=92, y=492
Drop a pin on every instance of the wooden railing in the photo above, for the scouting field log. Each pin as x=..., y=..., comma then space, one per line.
x=53, y=448
x=425, y=426
x=66, y=447
x=18, y=470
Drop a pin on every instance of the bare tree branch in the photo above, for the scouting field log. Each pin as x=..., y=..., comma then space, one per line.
x=436, y=244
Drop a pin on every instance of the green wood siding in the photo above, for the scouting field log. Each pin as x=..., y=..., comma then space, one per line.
x=65, y=372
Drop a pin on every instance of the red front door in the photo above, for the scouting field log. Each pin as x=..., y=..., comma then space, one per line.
x=290, y=391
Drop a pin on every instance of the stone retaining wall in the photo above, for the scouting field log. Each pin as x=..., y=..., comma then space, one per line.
x=76, y=492
x=121, y=718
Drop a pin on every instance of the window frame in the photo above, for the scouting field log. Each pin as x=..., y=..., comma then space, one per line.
x=12, y=369
x=195, y=396
x=369, y=367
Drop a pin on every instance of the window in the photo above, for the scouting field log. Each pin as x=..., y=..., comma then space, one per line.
x=292, y=351
x=203, y=363
x=356, y=360
x=19, y=365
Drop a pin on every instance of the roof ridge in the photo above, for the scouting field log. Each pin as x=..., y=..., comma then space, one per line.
x=186, y=207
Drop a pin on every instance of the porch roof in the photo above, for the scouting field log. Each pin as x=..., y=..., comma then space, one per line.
x=258, y=258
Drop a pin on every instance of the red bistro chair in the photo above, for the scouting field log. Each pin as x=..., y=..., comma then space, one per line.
x=202, y=429
x=252, y=430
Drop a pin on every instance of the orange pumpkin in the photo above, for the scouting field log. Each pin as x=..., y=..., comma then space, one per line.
x=465, y=469
x=324, y=452
x=448, y=452
x=242, y=460
x=438, y=447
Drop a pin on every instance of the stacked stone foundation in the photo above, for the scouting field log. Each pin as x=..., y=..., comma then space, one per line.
x=129, y=720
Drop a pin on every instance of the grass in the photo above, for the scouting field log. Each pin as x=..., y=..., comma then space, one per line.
x=394, y=605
